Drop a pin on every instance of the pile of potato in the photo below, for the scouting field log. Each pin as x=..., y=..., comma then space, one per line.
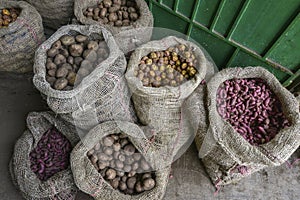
x=252, y=108
x=71, y=58
x=8, y=15
x=120, y=163
x=171, y=67
x=51, y=155
x=114, y=12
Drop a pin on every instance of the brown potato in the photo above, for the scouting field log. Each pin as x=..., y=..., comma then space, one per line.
x=50, y=65
x=52, y=52
x=81, y=38
x=118, y=23
x=138, y=187
x=59, y=59
x=148, y=184
x=67, y=40
x=111, y=174
x=131, y=182
x=115, y=183
x=62, y=72
x=76, y=50
x=60, y=83
x=112, y=17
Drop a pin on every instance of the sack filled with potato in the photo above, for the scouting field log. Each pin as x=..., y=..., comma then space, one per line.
x=115, y=161
x=130, y=21
x=40, y=166
x=254, y=123
x=78, y=66
x=161, y=75
x=21, y=32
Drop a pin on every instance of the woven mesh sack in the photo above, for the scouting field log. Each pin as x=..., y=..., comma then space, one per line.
x=127, y=37
x=90, y=181
x=113, y=105
x=61, y=185
x=54, y=13
x=298, y=98
x=160, y=108
x=196, y=108
x=21, y=38
x=97, y=84
x=227, y=156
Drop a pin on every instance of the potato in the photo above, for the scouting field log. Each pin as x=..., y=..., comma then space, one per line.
x=59, y=59
x=81, y=38
x=62, y=72
x=93, y=45
x=111, y=174
x=117, y=147
x=67, y=40
x=129, y=150
x=60, y=83
x=50, y=65
x=57, y=44
x=76, y=50
x=119, y=23
x=52, y=52
x=78, y=60
x=148, y=184
x=108, y=141
x=52, y=72
x=115, y=183
x=138, y=187
x=131, y=182
x=112, y=17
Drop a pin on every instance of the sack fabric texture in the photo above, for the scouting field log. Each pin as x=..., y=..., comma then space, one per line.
x=54, y=13
x=227, y=156
x=115, y=104
x=21, y=38
x=61, y=185
x=161, y=108
x=127, y=37
x=196, y=108
x=97, y=85
x=90, y=181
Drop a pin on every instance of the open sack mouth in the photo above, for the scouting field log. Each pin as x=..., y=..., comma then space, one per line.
x=252, y=108
x=122, y=165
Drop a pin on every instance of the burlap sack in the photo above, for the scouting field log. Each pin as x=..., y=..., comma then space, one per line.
x=94, y=86
x=227, y=156
x=196, y=108
x=115, y=104
x=127, y=37
x=160, y=108
x=21, y=38
x=60, y=186
x=298, y=97
x=54, y=13
x=91, y=182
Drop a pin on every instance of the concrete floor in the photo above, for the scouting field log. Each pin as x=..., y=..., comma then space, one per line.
x=190, y=182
